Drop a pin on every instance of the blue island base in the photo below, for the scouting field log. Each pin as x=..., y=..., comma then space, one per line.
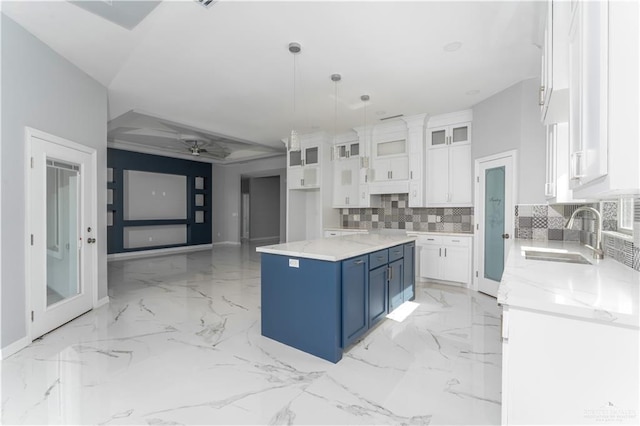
x=301, y=306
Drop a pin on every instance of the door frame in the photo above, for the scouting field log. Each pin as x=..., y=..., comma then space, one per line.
x=31, y=133
x=478, y=244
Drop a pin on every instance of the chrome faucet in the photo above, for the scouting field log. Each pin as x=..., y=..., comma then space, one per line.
x=598, y=253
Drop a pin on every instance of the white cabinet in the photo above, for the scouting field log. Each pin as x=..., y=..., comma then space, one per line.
x=346, y=150
x=448, y=174
x=564, y=370
x=588, y=92
x=557, y=188
x=603, y=108
x=391, y=161
x=446, y=258
x=346, y=182
x=415, y=139
x=459, y=133
x=303, y=171
x=554, y=83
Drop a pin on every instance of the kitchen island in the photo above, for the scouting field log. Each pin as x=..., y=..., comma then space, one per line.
x=320, y=296
x=570, y=337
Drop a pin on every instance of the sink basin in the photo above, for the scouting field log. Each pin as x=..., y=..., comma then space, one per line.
x=555, y=256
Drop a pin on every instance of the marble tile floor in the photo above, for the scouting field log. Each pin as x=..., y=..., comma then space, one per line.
x=180, y=343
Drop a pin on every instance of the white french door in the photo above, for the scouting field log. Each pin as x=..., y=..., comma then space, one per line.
x=61, y=217
x=495, y=194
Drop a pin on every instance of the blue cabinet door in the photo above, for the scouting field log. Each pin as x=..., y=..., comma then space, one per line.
x=378, y=295
x=409, y=271
x=396, y=281
x=355, y=300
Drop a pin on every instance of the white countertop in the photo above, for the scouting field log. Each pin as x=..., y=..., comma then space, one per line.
x=606, y=291
x=337, y=248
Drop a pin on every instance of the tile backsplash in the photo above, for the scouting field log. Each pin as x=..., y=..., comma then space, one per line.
x=395, y=214
x=547, y=222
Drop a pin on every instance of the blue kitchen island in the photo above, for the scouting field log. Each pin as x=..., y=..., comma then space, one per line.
x=320, y=296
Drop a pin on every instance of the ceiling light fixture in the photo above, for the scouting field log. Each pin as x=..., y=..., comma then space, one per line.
x=452, y=47
x=335, y=78
x=294, y=140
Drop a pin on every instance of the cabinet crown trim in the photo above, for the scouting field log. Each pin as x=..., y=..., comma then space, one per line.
x=450, y=118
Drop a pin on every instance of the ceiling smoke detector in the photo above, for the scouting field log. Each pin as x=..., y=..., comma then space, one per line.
x=206, y=3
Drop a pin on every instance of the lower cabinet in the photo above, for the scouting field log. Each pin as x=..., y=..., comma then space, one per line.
x=446, y=258
x=372, y=286
x=378, y=295
x=355, y=290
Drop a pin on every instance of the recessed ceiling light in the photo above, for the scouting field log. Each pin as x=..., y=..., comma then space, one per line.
x=473, y=92
x=381, y=112
x=452, y=47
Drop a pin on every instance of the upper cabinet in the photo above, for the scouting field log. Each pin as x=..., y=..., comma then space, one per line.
x=556, y=188
x=448, y=171
x=303, y=170
x=603, y=102
x=346, y=172
x=389, y=168
x=554, y=76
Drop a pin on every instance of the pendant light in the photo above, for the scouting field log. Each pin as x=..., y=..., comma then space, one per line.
x=365, y=99
x=294, y=140
x=335, y=78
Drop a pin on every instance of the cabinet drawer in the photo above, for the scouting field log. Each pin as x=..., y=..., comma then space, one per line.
x=429, y=240
x=456, y=241
x=396, y=253
x=378, y=258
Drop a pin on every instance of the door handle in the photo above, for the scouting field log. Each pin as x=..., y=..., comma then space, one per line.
x=505, y=236
x=91, y=240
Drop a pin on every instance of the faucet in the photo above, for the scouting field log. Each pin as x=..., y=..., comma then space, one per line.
x=598, y=253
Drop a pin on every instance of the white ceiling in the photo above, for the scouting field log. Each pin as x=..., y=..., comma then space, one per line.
x=227, y=70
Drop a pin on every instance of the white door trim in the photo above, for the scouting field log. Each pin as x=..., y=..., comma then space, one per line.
x=478, y=244
x=31, y=133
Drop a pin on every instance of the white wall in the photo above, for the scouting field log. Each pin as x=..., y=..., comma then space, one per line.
x=511, y=120
x=40, y=89
x=226, y=195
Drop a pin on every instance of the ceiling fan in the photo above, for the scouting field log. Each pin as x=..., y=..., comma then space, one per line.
x=197, y=148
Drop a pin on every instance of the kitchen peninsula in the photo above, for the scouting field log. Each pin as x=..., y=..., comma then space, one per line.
x=320, y=296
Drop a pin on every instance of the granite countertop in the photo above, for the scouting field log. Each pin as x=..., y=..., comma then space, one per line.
x=606, y=291
x=337, y=248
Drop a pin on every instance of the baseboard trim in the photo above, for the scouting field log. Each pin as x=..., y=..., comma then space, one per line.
x=157, y=252
x=101, y=302
x=14, y=347
x=257, y=240
x=227, y=243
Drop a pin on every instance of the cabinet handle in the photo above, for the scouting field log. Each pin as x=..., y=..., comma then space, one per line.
x=358, y=262
x=445, y=252
x=301, y=182
x=455, y=241
x=430, y=239
x=380, y=258
x=411, y=174
x=440, y=252
x=541, y=96
x=390, y=273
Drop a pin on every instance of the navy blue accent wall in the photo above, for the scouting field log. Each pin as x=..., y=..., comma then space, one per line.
x=120, y=160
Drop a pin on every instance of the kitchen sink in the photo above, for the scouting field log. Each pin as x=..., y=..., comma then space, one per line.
x=555, y=256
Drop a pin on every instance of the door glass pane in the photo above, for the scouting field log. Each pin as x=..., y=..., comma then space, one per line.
x=438, y=137
x=460, y=134
x=311, y=156
x=342, y=151
x=63, y=278
x=392, y=148
x=494, y=223
x=295, y=158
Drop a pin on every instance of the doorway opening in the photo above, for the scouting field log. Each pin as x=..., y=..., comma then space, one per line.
x=260, y=209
